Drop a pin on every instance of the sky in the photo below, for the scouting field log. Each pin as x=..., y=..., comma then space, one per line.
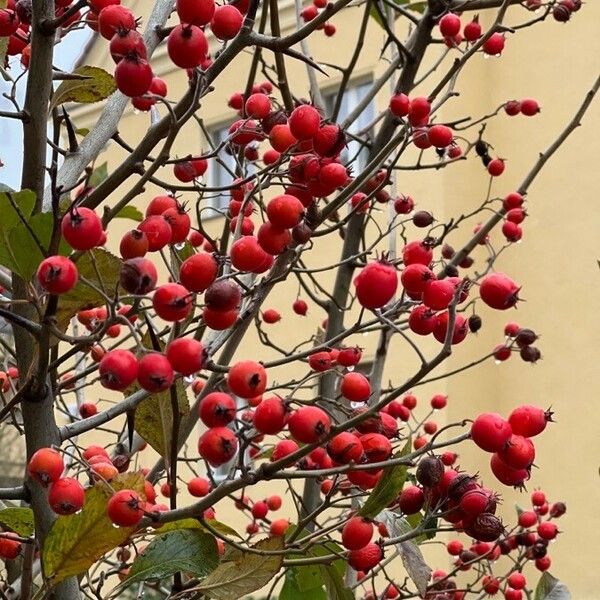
x=11, y=151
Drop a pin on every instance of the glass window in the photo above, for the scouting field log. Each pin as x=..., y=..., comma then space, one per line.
x=352, y=96
x=221, y=173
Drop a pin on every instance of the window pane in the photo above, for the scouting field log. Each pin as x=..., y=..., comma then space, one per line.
x=221, y=175
x=352, y=96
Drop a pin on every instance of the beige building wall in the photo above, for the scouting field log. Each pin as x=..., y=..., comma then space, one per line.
x=556, y=261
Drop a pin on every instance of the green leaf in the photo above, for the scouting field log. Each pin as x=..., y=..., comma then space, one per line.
x=195, y=524
x=412, y=558
x=76, y=542
x=19, y=520
x=154, y=417
x=102, y=269
x=186, y=550
x=388, y=487
x=291, y=590
x=99, y=175
x=96, y=85
x=550, y=588
x=232, y=580
x=19, y=230
x=130, y=212
x=25, y=203
x=82, y=131
x=334, y=583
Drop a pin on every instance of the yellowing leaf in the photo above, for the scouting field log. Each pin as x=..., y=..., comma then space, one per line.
x=233, y=580
x=96, y=84
x=195, y=524
x=76, y=542
x=18, y=519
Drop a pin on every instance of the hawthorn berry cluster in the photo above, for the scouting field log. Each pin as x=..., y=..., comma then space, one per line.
x=170, y=313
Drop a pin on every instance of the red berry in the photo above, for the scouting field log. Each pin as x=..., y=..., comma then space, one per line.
x=439, y=401
x=355, y=387
x=199, y=271
x=528, y=420
x=285, y=211
x=517, y=581
x=179, y=222
x=138, y=276
x=349, y=357
x=422, y=320
x=449, y=25
x=417, y=252
x=419, y=108
x=270, y=416
x=345, y=448
x=528, y=518
x=186, y=355
x=357, y=533
x=187, y=46
x=491, y=432
x=118, y=369
x=155, y=373
x=494, y=44
x=45, y=466
x=376, y=284
x=247, y=379
x=87, y=409
x=304, y=122
x=199, y=487
x=496, y=167
x=512, y=108
x=519, y=453
x=217, y=409
x=547, y=530
x=273, y=239
x=57, y=274
x=134, y=244
x=308, y=424
x=133, y=75
x=506, y=475
x=226, y=22
x=124, y=508
x=498, y=291
x=9, y=548
x=300, y=307
x=400, y=105
x=440, y=136
x=279, y=527
x=258, y=106
x=114, y=17
x=66, y=496
x=157, y=230
x=172, y=302
x=438, y=294
x=376, y=447
x=411, y=500
x=538, y=498
x=196, y=12
x=217, y=445
x=260, y=509
x=366, y=558
x=82, y=228
x=219, y=320
x=283, y=448
x=530, y=107
x=461, y=328
x=472, y=30
x=512, y=200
